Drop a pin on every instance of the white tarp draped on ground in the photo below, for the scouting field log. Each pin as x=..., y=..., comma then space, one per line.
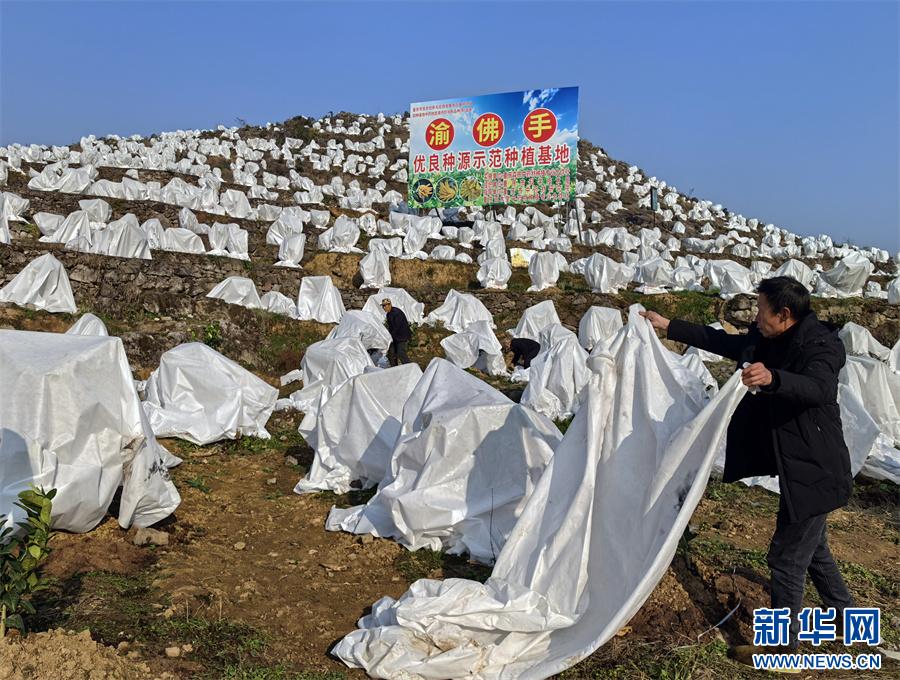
x=466, y=460
x=237, y=290
x=201, y=396
x=729, y=277
x=42, y=284
x=478, y=347
x=535, y=319
x=543, y=268
x=278, y=303
x=325, y=366
x=73, y=421
x=400, y=299
x=598, y=324
x=634, y=463
x=494, y=273
x=605, y=275
x=88, y=324
x=458, y=311
x=356, y=429
x=847, y=278
x=319, y=300
x=375, y=269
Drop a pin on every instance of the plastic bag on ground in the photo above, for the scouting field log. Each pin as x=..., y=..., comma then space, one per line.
x=319, y=300
x=42, y=284
x=464, y=464
x=356, y=429
x=88, y=440
x=202, y=396
x=458, y=311
x=622, y=487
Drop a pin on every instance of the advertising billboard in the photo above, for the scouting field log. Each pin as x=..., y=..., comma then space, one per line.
x=510, y=148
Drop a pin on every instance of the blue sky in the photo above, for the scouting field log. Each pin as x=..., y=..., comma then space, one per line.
x=784, y=111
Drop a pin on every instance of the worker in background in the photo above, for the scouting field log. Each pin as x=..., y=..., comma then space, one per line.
x=790, y=427
x=398, y=327
x=524, y=351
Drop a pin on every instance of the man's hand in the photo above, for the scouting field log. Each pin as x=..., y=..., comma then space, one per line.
x=658, y=321
x=756, y=375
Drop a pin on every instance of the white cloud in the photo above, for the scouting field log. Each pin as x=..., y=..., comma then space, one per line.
x=537, y=99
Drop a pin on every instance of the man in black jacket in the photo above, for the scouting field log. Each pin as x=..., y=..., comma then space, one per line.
x=398, y=327
x=523, y=350
x=791, y=427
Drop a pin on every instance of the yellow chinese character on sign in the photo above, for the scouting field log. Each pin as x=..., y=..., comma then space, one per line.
x=440, y=135
x=539, y=123
x=488, y=130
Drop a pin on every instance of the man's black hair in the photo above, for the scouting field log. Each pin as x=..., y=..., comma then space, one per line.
x=785, y=291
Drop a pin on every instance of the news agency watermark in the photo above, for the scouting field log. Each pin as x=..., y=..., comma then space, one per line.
x=861, y=626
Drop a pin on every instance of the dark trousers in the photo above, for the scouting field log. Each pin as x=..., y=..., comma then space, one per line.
x=397, y=353
x=798, y=548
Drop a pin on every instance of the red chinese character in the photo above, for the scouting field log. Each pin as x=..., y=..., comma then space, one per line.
x=562, y=154
x=478, y=160
x=539, y=125
x=439, y=134
x=465, y=160
x=544, y=156
x=495, y=158
x=419, y=163
x=511, y=157
x=434, y=164
x=488, y=129
x=448, y=161
x=527, y=156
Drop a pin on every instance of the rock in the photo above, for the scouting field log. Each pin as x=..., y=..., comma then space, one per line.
x=272, y=481
x=187, y=648
x=123, y=646
x=146, y=536
x=173, y=652
x=240, y=545
x=290, y=460
x=365, y=538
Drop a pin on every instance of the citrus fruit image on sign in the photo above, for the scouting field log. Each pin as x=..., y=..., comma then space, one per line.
x=488, y=129
x=423, y=190
x=539, y=125
x=439, y=134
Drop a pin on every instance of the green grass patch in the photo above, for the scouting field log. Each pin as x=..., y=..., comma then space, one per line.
x=718, y=553
x=198, y=483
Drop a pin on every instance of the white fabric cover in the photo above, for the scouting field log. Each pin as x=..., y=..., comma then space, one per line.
x=478, y=347
x=598, y=324
x=228, y=240
x=465, y=462
x=365, y=327
x=182, y=241
x=796, y=270
x=237, y=290
x=594, y=539
x=290, y=251
x=400, y=299
x=848, y=276
x=543, y=268
x=278, y=303
x=88, y=324
x=494, y=273
x=375, y=269
x=458, y=311
x=319, y=300
x=729, y=277
x=558, y=375
x=42, y=284
x=202, y=396
x=356, y=429
x=605, y=275
x=535, y=319
x=87, y=440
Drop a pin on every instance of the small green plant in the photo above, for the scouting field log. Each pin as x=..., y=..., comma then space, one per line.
x=21, y=555
x=198, y=483
x=212, y=335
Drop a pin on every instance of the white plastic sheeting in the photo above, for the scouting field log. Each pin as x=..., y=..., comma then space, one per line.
x=543, y=268
x=535, y=319
x=375, y=269
x=458, y=311
x=325, y=366
x=465, y=462
x=88, y=324
x=237, y=290
x=558, y=375
x=182, y=241
x=228, y=240
x=278, y=303
x=400, y=299
x=729, y=277
x=477, y=347
x=796, y=270
x=848, y=276
x=88, y=440
x=201, y=396
x=42, y=284
x=365, y=327
x=319, y=300
x=494, y=273
x=634, y=463
x=858, y=341
x=356, y=429
x=290, y=251
x=605, y=275
x=598, y=324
